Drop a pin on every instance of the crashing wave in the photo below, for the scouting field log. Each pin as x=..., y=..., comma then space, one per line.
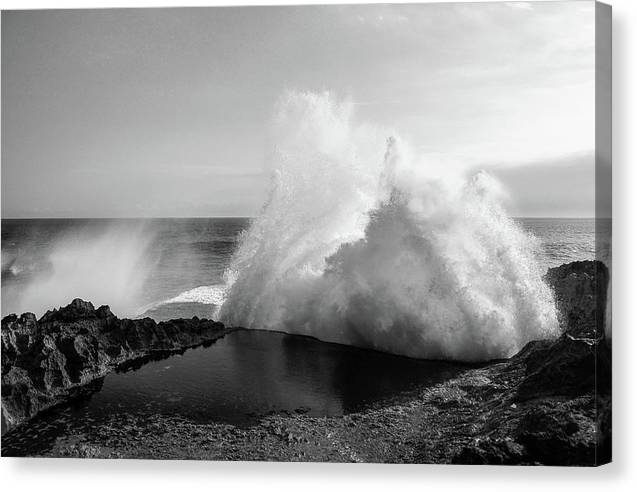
x=360, y=243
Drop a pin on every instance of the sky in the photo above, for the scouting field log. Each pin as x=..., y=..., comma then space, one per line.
x=164, y=112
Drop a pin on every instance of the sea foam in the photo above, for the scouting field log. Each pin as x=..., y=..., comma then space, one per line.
x=361, y=243
x=214, y=295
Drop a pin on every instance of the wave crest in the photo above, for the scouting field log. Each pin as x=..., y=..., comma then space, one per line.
x=206, y=294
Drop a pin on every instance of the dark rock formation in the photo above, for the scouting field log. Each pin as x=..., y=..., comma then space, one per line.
x=580, y=290
x=558, y=407
x=44, y=361
x=492, y=452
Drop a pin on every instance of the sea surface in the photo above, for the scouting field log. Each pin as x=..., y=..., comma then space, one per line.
x=168, y=268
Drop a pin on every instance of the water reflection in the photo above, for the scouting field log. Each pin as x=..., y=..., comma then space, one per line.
x=236, y=380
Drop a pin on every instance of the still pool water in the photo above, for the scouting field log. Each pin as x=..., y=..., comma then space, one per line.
x=236, y=380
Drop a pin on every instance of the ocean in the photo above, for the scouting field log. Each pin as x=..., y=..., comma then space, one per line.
x=169, y=268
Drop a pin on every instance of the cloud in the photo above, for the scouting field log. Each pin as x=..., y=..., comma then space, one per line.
x=377, y=16
x=519, y=5
x=562, y=186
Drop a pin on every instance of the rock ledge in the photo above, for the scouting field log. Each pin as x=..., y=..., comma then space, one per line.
x=44, y=361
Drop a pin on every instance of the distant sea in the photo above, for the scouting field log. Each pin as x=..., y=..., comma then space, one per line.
x=168, y=268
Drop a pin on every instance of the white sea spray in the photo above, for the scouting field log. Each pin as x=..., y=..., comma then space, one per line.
x=361, y=243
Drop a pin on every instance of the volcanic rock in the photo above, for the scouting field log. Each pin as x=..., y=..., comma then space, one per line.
x=580, y=290
x=44, y=360
x=560, y=391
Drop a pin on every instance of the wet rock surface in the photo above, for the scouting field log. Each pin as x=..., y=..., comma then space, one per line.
x=44, y=362
x=580, y=290
x=558, y=392
x=550, y=404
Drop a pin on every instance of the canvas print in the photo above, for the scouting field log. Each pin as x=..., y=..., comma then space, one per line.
x=341, y=233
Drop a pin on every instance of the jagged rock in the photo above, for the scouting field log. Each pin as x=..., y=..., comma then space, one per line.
x=580, y=290
x=556, y=433
x=604, y=430
x=43, y=361
x=76, y=310
x=492, y=452
x=579, y=361
x=560, y=390
x=569, y=366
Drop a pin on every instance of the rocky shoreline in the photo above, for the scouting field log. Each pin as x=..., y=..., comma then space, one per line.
x=46, y=361
x=549, y=404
